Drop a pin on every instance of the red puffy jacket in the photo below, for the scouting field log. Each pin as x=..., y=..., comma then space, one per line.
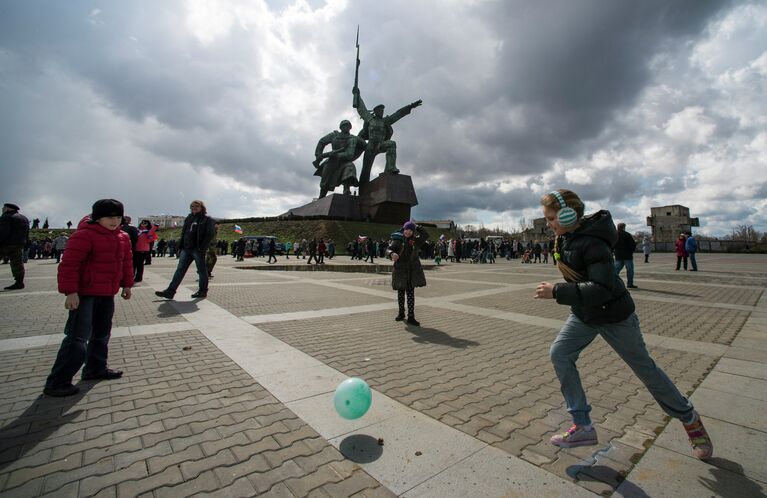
x=96, y=262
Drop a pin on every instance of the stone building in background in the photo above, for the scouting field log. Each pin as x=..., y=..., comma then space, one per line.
x=668, y=222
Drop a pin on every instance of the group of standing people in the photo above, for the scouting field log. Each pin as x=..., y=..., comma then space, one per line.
x=686, y=246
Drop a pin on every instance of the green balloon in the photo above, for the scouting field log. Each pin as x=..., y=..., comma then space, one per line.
x=353, y=397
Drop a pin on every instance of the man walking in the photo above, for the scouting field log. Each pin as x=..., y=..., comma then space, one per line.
x=624, y=254
x=196, y=236
x=14, y=232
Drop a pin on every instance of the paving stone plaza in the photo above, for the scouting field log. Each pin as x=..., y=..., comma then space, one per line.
x=232, y=395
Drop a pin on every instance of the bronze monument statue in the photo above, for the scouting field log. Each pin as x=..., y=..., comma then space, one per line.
x=377, y=129
x=337, y=166
x=387, y=198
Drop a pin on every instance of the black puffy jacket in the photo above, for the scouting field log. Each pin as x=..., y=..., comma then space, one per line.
x=601, y=297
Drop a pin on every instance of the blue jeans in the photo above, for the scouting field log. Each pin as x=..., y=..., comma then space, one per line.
x=184, y=261
x=86, y=340
x=629, y=269
x=626, y=339
x=693, y=262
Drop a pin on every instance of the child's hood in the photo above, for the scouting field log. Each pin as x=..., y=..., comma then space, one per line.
x=600, y=225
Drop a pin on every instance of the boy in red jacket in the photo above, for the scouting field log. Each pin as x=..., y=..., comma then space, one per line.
x=96, y=264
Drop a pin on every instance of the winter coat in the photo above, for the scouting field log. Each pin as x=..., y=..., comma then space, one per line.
x=646, y=246
x=601, y=297
x=145, y=239
x=14, y=229
x=691, y=245
x=60, y=242
x=97, y=261
x=408, y=272
x=132, y=233
x=624, y=248
x=206, y=230
x=680, y=250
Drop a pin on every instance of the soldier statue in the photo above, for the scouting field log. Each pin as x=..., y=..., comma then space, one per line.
x=378, y=132
x=337, y=166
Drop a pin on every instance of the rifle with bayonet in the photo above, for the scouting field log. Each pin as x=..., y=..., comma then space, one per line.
x=356, y=99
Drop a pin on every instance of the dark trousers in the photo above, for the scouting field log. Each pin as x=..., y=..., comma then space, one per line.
x=679, y=260
x=86, y=340
x=139, y=258
x=185, y=260
x=14, y=254
x=271, y=257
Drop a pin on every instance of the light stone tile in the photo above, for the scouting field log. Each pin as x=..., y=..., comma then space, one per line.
x=493, y=472
x=666, y=473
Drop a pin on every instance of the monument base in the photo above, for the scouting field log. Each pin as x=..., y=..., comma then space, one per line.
x=333, y=206
x=387, y=199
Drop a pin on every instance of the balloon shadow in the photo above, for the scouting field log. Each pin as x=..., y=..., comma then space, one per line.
x=361, y=448
x=433, y=336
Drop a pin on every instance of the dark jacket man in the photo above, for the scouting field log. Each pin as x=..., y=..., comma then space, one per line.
x=14, y=232
x=624, y=247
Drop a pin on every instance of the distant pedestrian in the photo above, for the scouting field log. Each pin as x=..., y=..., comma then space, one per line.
x=98, y=262
x=312, y=252
x=646, y=248
x=196, y=236
x=147, y=234
x=681, y=252
x=321, y=248
x=14, y=233
x=271, y=250
x=371, y=247
x=624, y=255
x=288, y=247
x=691, y=246
x=211, y=257
x=59, y=244
x=407, y=273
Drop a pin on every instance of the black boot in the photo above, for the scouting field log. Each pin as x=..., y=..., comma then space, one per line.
x=18, y=285
x=412, y=321
x=400, y=316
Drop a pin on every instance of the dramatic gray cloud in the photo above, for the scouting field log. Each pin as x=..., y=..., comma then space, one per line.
x=632, y=104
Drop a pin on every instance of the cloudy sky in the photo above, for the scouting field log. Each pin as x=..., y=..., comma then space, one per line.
x=632, y=104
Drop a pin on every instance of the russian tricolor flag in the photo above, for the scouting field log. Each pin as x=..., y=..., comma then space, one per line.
x=238, y=229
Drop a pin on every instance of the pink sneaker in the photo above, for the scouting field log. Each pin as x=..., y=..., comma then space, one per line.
x=575, y=436
x=702, y=447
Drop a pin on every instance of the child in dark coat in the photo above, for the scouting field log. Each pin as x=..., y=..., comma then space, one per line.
x=407, y=273
x=97, y=262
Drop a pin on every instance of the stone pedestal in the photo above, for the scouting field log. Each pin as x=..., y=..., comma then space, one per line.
x=386, y=199
x=333, y=206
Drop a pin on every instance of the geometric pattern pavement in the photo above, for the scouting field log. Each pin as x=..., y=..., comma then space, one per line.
x=185, y=420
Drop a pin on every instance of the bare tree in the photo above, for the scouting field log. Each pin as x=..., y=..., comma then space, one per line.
x=746, y=233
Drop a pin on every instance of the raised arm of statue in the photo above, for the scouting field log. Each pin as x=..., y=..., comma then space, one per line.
x=361, y=109
x=401, y=113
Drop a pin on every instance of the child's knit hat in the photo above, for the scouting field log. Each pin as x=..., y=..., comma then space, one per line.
x=409, y=225
x=106, y=207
